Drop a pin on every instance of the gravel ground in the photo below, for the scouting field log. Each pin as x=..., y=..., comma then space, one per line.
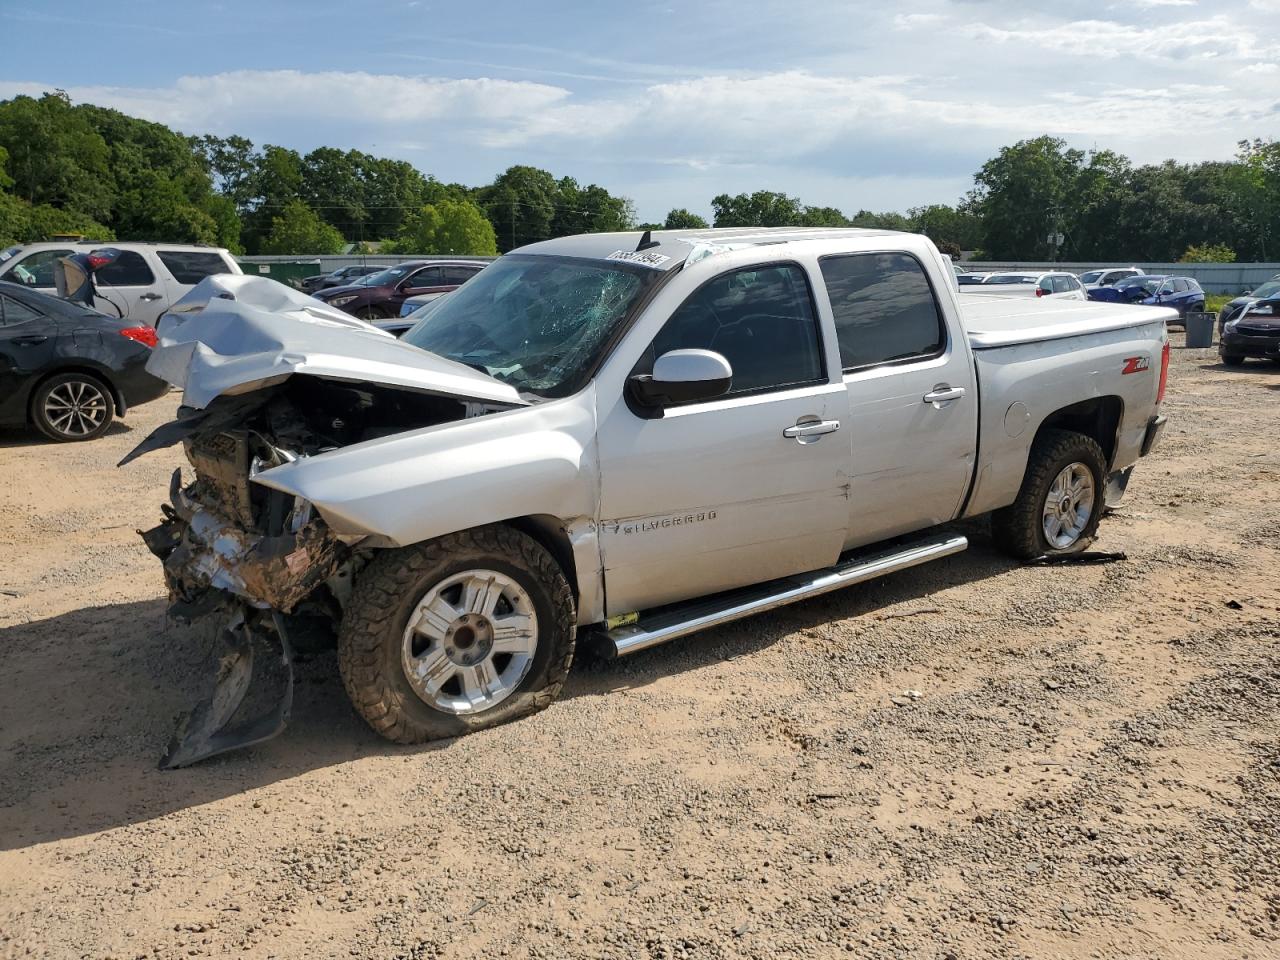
x=971, y=759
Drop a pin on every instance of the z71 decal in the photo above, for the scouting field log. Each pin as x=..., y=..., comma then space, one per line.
x=1136, y=364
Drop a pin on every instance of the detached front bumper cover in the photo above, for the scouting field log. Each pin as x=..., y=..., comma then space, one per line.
x=214, y=566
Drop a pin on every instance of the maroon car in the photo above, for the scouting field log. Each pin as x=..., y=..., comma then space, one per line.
x=379, y=295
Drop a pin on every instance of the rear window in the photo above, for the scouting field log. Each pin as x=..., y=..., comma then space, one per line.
x=11, y=311
x=1091, y=277
x=190, y=266
x=459, y=275
x=884, y=309
x=129, y=270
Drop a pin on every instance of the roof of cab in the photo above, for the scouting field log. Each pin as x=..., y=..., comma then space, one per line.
x=674, y=246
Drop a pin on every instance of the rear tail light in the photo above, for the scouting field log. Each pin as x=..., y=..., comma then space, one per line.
x=145, y=335
x=1039, y=291
x=1164, y=372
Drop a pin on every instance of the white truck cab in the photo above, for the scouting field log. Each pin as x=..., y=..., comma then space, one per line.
x=624, y=438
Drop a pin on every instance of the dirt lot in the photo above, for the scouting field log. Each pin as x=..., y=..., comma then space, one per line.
x=969, y=760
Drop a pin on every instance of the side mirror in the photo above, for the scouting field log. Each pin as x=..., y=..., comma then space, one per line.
x=1246, y=293
x=683, y=376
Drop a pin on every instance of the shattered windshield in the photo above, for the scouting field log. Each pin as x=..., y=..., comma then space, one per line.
x=537, y=323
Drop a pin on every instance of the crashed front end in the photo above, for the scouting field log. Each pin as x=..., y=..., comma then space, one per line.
x=273, y=378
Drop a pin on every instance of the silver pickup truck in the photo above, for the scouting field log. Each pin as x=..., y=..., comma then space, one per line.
x=615, y=439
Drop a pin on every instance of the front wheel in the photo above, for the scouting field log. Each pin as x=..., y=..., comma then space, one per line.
x=1232, y=360
x=72, y=406
x=456, y=634
x=1061, y=499
x=371, y=314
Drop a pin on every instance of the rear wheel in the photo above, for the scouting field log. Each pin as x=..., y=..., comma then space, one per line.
x=1061, y=499
x=456, y=634
x=70, y=407
x=1232, y=360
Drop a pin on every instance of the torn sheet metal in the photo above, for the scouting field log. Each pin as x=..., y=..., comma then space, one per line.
x=202, y=551
x=234, y=334
x=252, y=695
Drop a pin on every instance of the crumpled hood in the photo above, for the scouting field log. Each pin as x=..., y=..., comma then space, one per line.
x=235, y=334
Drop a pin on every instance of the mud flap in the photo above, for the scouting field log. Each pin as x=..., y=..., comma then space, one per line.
x=252, y=696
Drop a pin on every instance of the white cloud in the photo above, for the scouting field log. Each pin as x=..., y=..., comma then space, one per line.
x=1101, y=39
x=220, y=101
x=910, y=21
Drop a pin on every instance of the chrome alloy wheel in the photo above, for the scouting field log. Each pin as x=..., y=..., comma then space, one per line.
x=76, y=408
x=470, y=641
x=1068, y=506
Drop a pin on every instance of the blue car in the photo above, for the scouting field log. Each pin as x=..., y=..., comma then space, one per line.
x=1181, y=293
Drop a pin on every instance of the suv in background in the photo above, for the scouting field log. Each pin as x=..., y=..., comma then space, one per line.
x=142, y=283
x=379, y=296
x=340, y=277
x=1093, y=279
x=1056, y=285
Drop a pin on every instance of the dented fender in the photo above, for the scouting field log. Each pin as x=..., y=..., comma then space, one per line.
x=411, y=487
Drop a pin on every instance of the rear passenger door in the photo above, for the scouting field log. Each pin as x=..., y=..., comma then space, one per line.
x=130, y=289
x=913, y=407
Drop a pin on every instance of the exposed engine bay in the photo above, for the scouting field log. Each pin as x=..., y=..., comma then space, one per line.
x=259, y=561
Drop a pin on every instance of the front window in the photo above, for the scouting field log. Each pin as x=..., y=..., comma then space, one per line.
x=538, y=323
x=1011, y=278
x=1090, y=277
x=1267, y=290
x=36, y=270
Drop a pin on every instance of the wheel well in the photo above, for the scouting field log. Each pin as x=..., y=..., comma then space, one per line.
x=549, y=532
x=96, y=374
x=1098, y=418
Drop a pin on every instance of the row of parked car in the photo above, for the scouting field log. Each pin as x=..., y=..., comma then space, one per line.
x=1116, y=285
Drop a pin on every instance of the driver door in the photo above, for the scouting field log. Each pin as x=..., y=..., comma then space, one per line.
x=428, y=280
x=747, y=487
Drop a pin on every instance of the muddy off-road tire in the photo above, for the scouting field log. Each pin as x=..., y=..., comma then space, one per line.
x=456, y=634
x=1061, y=499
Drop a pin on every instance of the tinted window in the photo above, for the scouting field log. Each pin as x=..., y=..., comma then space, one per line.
x=1180, y=286
x=1011, y=278
x=884, y=308
x=429, y=277
x=1061, y=285
x=1093, y=275
x=458, y=275
x=761, y=319
x=188, y=266
x=39, y=265
x=1047, y=285
x=129, y=270
x=11, y=311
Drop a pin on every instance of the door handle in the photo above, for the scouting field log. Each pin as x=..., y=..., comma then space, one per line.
x=29, y=341
x=150, y=296
x=942, y=393
x=806, y=431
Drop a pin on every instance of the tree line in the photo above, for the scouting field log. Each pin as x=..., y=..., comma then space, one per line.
x=82, y=169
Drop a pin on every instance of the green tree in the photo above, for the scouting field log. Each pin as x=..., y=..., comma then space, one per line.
x=230, y=162
x=823, y=217
x=879, y=221
x=1208, y=253
x=298, y=230
x=950, y=227
x=1255, y=182
x=449, y=226
x=590, y=209
x=682, y=219
x=763, y=208
x=521, y=205
x=55, y=155
x=333, y=185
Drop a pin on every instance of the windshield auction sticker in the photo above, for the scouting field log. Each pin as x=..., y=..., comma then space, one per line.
x=642, y=257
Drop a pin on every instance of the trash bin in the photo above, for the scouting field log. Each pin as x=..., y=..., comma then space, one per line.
x=1200, y=329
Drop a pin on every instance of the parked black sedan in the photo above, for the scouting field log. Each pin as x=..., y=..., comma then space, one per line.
x=68, y=370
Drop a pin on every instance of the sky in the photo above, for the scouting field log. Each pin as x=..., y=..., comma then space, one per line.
x=842, y=103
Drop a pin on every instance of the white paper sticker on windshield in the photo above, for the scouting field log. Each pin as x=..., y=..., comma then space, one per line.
x=642, y=257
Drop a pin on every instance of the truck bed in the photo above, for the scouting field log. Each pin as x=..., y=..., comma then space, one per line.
x=994, y=321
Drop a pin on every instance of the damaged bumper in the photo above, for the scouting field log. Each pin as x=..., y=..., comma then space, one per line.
x=201, y=551
x=214, y=566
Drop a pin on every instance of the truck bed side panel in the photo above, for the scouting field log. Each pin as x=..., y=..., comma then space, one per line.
x=1047, y=376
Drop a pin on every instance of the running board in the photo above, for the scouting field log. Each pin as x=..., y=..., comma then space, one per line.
x=669, y=623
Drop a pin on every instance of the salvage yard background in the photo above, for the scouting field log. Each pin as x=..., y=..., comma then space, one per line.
x=968, y=759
